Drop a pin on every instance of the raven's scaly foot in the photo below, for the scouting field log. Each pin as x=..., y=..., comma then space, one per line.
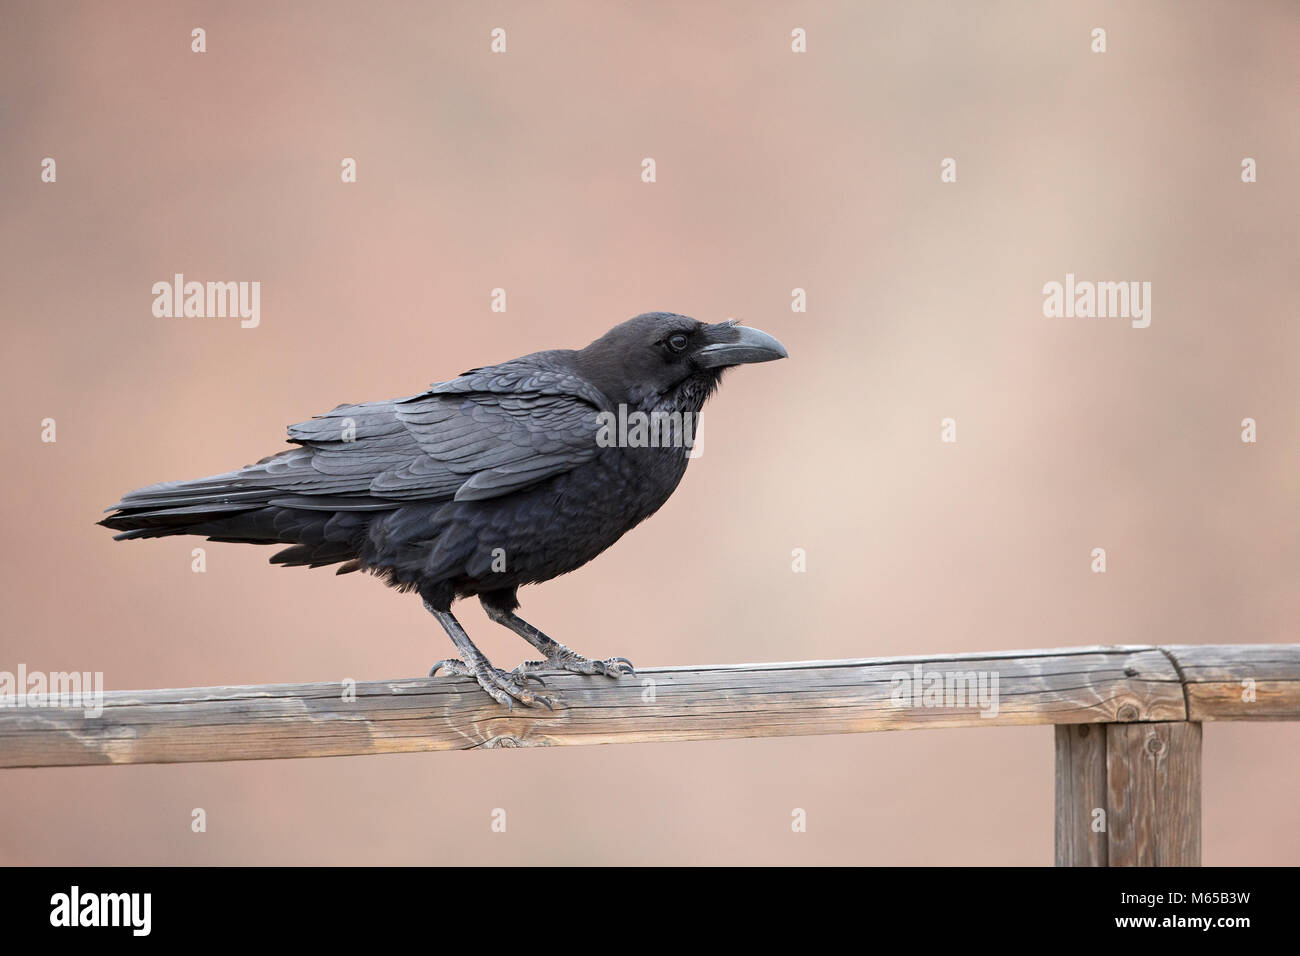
x=504, y=687
x=567, y=660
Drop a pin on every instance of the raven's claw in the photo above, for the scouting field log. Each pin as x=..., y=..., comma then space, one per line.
x=505, y=688
x=567, y=660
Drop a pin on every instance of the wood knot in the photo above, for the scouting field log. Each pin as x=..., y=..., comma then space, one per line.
x=1127, y=714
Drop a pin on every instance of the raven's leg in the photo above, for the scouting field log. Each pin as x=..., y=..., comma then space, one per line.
x=500, y=607
x=505, y=688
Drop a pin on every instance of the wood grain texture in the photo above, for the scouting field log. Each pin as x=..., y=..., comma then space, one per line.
x=1070, y=686
x=1240, y=681
x=1153, y=792
x=1080, y=792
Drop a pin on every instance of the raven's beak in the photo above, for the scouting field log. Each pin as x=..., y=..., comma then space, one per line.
x=739, y=345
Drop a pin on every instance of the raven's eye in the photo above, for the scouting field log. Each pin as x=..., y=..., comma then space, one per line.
x=677, y=342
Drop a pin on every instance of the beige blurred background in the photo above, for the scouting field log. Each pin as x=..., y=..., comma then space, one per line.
x=775, y=171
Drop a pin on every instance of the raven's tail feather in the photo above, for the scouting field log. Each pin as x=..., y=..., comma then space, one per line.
x=183, y=507
x=316, y=537
x=243, y=506
x=282, y=499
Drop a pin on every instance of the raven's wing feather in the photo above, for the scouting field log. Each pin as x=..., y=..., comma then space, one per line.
x=484, y=434
x=501, y=429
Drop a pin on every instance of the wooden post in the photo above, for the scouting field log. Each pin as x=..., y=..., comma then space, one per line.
x=1081, y=795
x=1153, y=785
x=1144, y=778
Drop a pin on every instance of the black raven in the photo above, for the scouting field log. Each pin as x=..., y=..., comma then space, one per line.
x=509, y=474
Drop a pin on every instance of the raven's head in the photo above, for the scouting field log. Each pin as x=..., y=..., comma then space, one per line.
x=661, y=356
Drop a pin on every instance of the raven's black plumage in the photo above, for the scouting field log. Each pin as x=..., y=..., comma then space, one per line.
x=478, y=485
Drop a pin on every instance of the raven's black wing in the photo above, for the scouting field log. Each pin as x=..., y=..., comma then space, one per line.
x=486, y=433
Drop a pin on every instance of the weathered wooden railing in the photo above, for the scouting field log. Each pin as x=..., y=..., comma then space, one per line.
x=1128, y=722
